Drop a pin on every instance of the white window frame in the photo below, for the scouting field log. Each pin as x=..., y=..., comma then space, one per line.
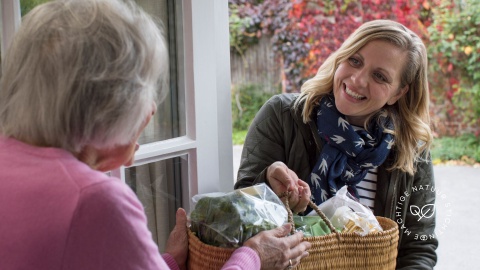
x=10, y=12
x=205, y=79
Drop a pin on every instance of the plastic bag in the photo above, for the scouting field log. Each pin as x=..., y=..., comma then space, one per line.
x=229, y=219
x=349, y=215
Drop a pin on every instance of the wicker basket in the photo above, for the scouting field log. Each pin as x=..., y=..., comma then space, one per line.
x=202, y=256
x=352, y=251
x=333, y=251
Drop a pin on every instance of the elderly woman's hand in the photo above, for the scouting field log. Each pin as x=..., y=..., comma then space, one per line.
x=277, y=251
x=282, y=179
x=177, y=243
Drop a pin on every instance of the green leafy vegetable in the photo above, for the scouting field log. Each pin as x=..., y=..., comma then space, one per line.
x=231, y=219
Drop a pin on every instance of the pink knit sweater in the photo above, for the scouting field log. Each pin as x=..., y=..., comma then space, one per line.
x=57, y=213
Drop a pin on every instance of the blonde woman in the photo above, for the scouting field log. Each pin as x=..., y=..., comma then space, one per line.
x=362, y=121
x=78, y=87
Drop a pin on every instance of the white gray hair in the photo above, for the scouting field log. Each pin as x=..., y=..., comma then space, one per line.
x=81, y=72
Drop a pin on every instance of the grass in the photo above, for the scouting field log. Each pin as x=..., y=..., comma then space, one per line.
x=238, y=137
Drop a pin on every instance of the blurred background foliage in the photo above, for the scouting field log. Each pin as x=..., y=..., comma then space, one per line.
x=454, y=49
x=27, y=5
x=304, y=32
x=246, y=101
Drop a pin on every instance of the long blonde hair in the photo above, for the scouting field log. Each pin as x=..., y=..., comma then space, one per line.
x=410, y=115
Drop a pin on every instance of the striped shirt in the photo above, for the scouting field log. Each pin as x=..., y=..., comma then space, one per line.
x=367, y=188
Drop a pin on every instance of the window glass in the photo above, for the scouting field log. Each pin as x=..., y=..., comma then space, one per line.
x=168, y=122
x=160, y=196
x=158, y=184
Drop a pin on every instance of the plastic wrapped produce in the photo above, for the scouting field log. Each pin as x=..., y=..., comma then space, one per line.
x=349, y=215
x=229, y=219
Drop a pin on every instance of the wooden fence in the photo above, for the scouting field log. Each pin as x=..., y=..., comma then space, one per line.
x=258, y=65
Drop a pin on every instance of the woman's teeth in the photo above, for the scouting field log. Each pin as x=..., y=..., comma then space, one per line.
x=353, y=94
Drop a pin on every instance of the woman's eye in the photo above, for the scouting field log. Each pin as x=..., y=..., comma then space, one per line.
x=380, y=77
x=354, y=61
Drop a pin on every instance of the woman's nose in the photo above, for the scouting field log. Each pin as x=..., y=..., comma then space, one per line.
x=137, y=146
x=360, y=78
x=154, y=108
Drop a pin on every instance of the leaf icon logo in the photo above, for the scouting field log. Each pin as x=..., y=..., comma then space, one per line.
x=426, y=211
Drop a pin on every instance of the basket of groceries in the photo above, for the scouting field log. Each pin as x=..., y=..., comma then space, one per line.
x=344, y=234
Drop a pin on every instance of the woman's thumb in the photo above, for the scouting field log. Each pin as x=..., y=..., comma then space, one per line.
x=181, y=218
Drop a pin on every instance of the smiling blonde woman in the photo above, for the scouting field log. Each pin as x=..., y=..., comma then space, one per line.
x=362, y=121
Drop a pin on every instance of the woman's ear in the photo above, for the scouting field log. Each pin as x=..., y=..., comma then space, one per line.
x=88, y=155
x=109, y=158
x=400, y=94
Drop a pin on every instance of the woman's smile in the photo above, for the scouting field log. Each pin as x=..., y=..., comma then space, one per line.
x=353, y=94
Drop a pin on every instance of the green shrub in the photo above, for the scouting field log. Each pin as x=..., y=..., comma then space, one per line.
x=247, y=99
x=465, y=147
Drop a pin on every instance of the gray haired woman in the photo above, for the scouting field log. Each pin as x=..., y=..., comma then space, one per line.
x=79, y=86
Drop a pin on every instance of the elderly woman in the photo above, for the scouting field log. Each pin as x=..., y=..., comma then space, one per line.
x=78, y=87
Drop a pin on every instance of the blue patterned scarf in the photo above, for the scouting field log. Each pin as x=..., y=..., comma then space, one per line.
x=347, y=155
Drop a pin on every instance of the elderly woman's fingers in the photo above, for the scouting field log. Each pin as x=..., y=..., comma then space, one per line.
x=298, y=249
x=177, y=242
x=275, y=249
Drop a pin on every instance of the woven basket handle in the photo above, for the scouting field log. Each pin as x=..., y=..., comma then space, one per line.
x=286, y=196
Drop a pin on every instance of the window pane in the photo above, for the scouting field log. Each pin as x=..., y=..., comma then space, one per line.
x=168, y=122
x=158, y=185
